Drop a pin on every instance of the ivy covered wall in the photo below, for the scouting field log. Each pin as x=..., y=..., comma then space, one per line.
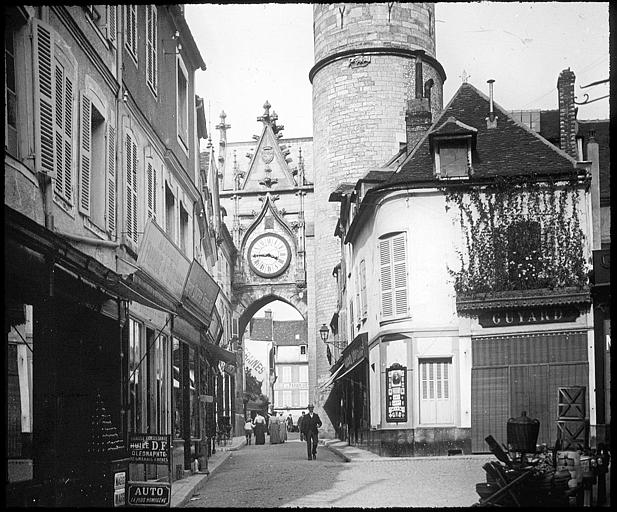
x=518, y=234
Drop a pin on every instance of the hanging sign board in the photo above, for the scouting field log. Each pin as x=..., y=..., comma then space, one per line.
x=396, y=394
x=150, y=448
x=149, y=494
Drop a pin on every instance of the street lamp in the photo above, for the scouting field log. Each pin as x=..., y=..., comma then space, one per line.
x=324, y=332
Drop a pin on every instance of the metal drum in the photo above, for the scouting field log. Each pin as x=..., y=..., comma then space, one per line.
x=522, y=433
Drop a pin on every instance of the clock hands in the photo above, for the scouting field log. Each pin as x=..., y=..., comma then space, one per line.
x=266, y=255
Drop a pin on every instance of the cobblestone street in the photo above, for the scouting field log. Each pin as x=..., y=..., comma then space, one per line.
x=281, y=476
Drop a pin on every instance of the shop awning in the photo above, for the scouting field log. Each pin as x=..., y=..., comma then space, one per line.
x=352, y=367
x=330, y=379
x=220, y=353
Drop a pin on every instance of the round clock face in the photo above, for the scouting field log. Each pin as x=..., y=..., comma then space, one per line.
x=269, y=255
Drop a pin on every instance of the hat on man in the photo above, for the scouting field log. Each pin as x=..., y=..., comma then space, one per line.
x=310, y=406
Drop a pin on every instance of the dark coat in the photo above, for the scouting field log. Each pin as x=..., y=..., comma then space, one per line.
x=309, y=424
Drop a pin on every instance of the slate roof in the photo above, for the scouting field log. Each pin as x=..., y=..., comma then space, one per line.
x=282, y=332
x=261, y=329
x=510, y=149
x=285, y=332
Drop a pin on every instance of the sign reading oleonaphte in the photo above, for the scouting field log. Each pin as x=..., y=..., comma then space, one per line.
x=150, y=494
x=396, y=394
x=150, y=448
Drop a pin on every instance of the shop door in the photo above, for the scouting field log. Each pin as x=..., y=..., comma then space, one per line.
x=435, y=391
x=511, y=374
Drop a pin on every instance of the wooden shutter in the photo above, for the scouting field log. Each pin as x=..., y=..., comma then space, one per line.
x=44, y=100
x=111, y=178
x=151, y=190
x=131, y=188
x=131, y=27
x=151, y=46
x=63, y=128
x=385, y=273
x=393, y=276
x=112, y=23
x=399, y=267
x=85, y=158
x=363, y=300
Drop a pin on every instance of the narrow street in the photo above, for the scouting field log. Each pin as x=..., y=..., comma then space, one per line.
x=281, y=476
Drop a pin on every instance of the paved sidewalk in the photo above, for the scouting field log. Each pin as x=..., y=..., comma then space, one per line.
x=355, y=454
x=182, y=490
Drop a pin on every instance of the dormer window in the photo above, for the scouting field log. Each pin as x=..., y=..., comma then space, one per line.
x=452, y=144
x=453, y=158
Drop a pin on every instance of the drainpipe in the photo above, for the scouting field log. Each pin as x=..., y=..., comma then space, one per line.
x=87, y=240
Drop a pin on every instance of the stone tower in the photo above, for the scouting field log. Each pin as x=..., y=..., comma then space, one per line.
x=373, y=62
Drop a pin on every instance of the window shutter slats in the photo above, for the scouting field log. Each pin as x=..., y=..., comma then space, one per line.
x=44, y=90
x=111, y=179
x=112, y=23
x=151, y=190
x=85, y=155
x=363, y=288
x=129, y=188
x=393, y=274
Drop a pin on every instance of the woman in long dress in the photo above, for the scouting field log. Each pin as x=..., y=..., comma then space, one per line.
x=260, y=429
x=275, y=429
x=282, y=428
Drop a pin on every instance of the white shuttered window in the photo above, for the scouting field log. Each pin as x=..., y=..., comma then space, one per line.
x=151, y=47
x=393, y=276
x=53, y=111
x=131, y=188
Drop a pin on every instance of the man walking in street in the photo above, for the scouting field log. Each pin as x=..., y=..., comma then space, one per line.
x=300, y=426
x=310, y=423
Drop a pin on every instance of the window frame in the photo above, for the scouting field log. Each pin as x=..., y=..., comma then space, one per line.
x=152, y=48
x=395, y=269
x=463, y=140
x=448, y=403
x=181, y=67
x=130, y=43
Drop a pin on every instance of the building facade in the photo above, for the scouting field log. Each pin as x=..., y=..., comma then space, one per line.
x=483, y=307
x=109, y=269
x=369, y=60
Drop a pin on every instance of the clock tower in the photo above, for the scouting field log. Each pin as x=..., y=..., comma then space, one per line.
x=372, y=60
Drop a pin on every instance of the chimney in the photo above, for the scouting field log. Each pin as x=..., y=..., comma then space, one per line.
x=567, y=112
x=593, y=155
x=268, y=313
x=419, y=77
x=491, y=120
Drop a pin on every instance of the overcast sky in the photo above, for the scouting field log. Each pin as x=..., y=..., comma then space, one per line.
x=264, y=52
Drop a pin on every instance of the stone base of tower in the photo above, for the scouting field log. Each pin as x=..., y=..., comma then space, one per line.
x=418, y=442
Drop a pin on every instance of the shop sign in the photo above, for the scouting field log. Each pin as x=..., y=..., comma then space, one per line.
x=396, y=394
x=356, y=350
x=230, y=369
x=120, y=489
x=150, y=494
x=200, y=291
x=528, y=316
x=162, y=260
x=150, y=448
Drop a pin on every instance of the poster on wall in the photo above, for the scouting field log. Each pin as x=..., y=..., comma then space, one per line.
x=396, y=394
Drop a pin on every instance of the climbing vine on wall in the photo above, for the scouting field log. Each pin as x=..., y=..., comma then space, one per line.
x=518, y=234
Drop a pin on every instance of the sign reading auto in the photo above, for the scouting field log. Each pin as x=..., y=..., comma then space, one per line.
x=149, y=448
x=156, y=493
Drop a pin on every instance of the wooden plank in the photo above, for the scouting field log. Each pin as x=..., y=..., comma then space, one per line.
x=489, y=406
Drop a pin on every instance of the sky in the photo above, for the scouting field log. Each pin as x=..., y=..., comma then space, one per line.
x=259, y=52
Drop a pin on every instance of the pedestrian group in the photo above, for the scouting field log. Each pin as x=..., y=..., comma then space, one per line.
x=277, y=428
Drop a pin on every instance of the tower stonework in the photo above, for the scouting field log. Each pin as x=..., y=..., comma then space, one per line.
x=368, y=58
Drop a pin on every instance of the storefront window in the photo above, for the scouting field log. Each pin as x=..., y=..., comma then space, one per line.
x=177, y=388
x=159, y=392
x=137, y=378
x=194, y=393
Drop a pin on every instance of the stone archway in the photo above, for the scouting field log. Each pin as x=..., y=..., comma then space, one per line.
x=253, y=298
